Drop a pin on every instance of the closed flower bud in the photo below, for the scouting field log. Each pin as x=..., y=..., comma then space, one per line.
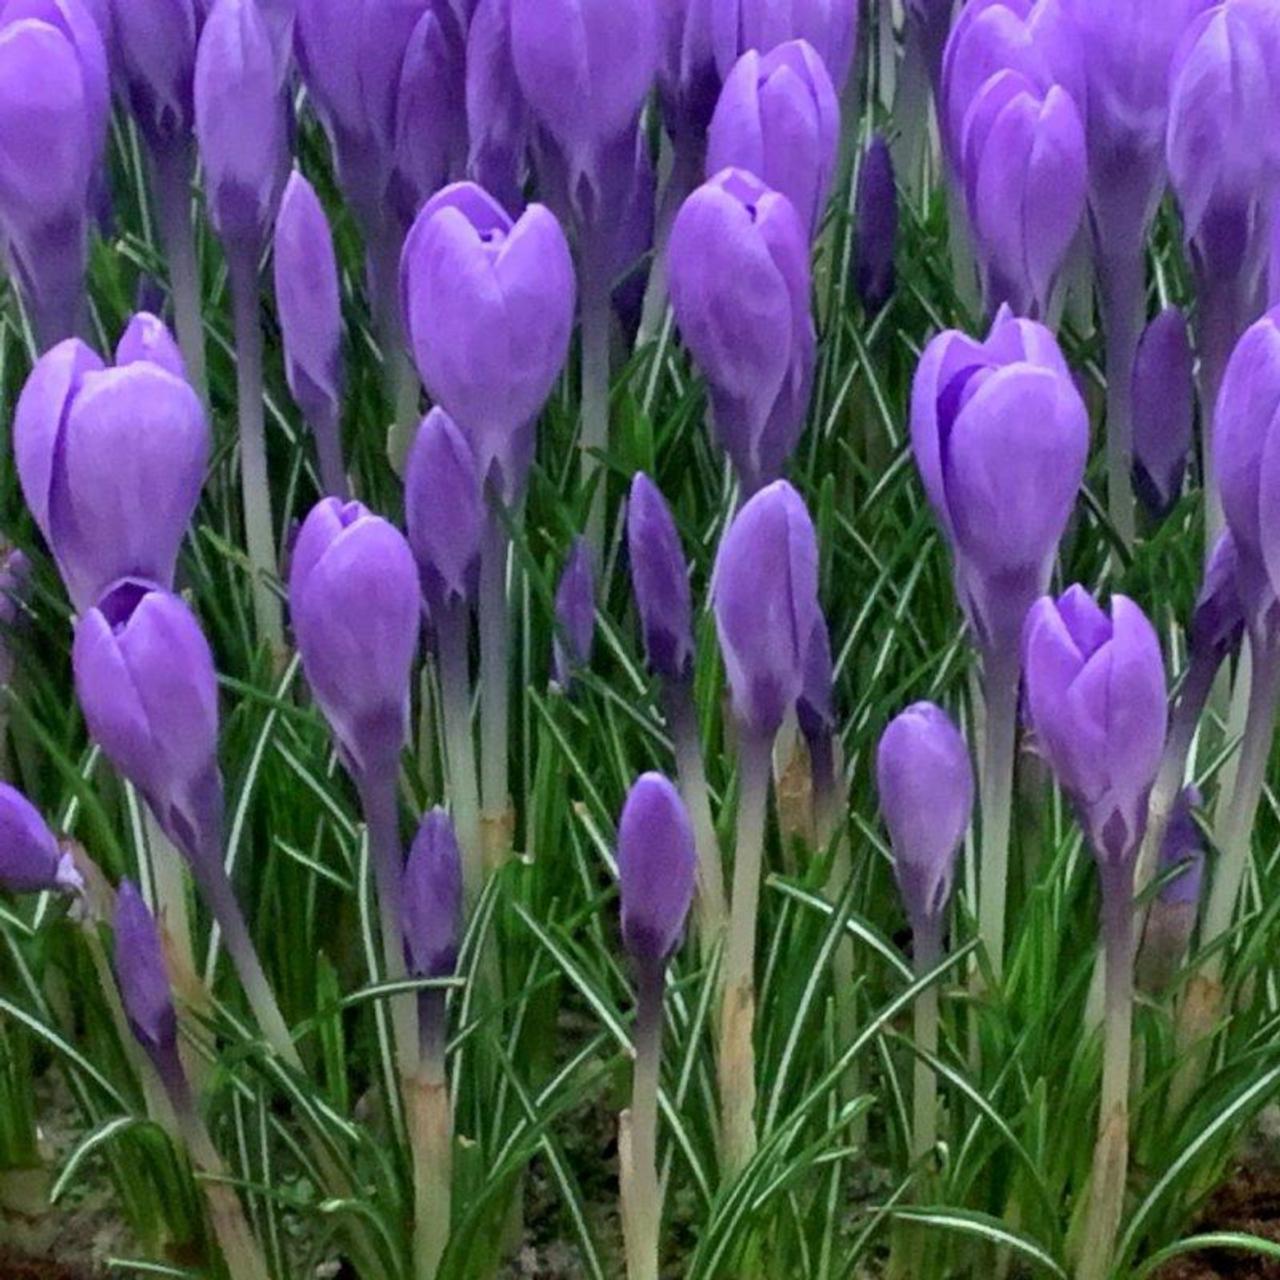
x=111, y=463
x=875, y=227
x=1163, y=411
x=575, y=614
x=498, y=118
x=778, y=117
x=925, y=781
x=30, y=859
x=1097, y=701
x=815, y=711
x=738, y=263
x=353, y=593
x=147, y=339
x=1171, y=919
x=1002, y=492
x=656, y=864
x=15, y=587
x=830, y=26
x=145, y=680
x=488, y=306
x=660, y=580
x=433, y=897
x=142, y=974
x=444, y=512
x=765, y=594
x=241, y=121
x=309, y=302
x=1217, y=625
x=688, y=78
x=156, y=45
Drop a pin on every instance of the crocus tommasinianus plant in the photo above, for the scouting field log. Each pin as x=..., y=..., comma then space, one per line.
x=111, y=462
x=660, y=580
x=31, y=860
x=1163, y=411
x=488, y=307
x=146, y=338
x=830, y=26
x=688, y=78
x=155, y=41
x=143, y=978
x=54, y=109
x=499, y=121
x=738, y=266
x=875, y=227
x=1171, y=918
x=433, y=898
x=778, y=117
x=575, y=614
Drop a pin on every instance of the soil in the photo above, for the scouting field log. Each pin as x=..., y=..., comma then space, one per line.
x=15, y=1268
x=1249, y=1202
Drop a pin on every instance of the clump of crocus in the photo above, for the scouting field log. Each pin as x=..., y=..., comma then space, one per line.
x=111, y=462
x=310, y=307
x=765, y=595
x=1097, y=703
x=778, y=117
x=575, y=615
x=1002, y=495
x=31, y=860
x=739, y=250
x=656, y=868
x=925, y=782
x=1163, y=412
x=875, y=226
x=1171, y=918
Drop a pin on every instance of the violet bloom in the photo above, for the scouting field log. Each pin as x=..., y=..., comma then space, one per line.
x=31, y=860
x=656, y=870
x=147, y=339
x=488, y=307
x=925, y=781
x=1218, y=622
x=1002, y=492
x=353, y=592
x=309, y=301
x=778, y=117
x=738, y=263
x=433, y=898
x=241, y=122
x=499, y=121
x=689, y=80
x=575, y=615
x=875, y=226
x=1097, y=702
x=830, y=26
x=143, y=977
x=660, y=580
x=1171, y=918
x=111, y=462
x=1163, y=411
x=765, y=594
x=156, y=45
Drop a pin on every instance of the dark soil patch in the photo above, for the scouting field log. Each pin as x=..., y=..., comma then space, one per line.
x=15, y=1268
x=1250, y=1203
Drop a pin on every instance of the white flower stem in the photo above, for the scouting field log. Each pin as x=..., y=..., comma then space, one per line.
x=1121, y=283
x=431, y=1137
x=455, y=699
x=1217, y=329
x=638, y=1134
x=924, y=1129
x=594, y=440
x=1000, y=690
x=495, y=641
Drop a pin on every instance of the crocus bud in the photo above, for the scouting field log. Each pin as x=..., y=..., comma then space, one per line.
x=875, y=226
x=142, y=975
x=1001, y=492
x=156, y=44
x=444, y=512
x=310, y=304
x=830, y=26
x=765, y=594
x=815, y=711
x=242, y=122
x=660, y=580
x=738, y=263
x=353, y=593
x=147, y=338
x=575, y=614
x=1097, y=701
x=15, y=587
x=1163, y=411
x=111, y=463
x=656, y=864
x=498, y=117
x=689, y=80
x=1217, y=625
x=585, y=68
x=925, y=782
x=433, y=897
x=488, y=306
x=30, y=859
x=778, y=117
x=1023, y=166
x=145, y=680
x=1171, y=919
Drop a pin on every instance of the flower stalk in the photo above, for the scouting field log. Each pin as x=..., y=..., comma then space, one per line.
x=637, y=1137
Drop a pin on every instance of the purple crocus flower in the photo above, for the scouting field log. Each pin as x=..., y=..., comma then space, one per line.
x=689, y=80
x=1218, y=622
x=156, y=45
x=111, y=463
x=738, y=262
x=147, y=339
x=660, y=580
x=575, y=614
x=143, y=976
x=1171, y=919
x=778, y=117
x=1001, y=492
x=925, y=782
x=875, y=226
x=433, y=897
x=656, y=870
x=353, y=592
x=30, y=858
x=242, y=122
x=765, y=595
x=145, y=680
x=1098, y=705
x=499, y=121
x=444, y=513
x=830, y=26
x=1163, y=411
x=488, y=307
